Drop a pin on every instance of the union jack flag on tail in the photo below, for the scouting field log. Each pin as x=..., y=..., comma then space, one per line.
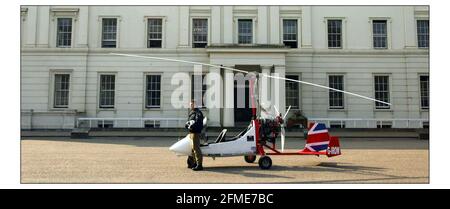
x=319, y=140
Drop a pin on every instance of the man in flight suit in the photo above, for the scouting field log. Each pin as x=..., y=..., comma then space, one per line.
x=195, y=126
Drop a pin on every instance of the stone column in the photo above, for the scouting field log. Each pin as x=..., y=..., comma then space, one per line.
x=227, y=24
x=265, y=89
x=31, y=26
x=42, y=30
x=228, y=109
x=214, y=96
x=274, y=20
x=82, y=32
x=216, y=26
x=278, y=89
x=409, y=24
x=23, y=21
x=183, y=35
x=262, y=25
x=306, y=27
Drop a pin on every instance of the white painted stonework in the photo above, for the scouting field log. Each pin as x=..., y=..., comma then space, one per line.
x=312, y=61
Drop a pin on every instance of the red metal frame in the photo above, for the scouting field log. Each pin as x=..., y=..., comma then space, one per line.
x=259, y=147
x=277, y=152
x=252, y=87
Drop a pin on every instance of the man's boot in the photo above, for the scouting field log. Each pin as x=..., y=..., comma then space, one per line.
x=191, y=162
x=197, y=168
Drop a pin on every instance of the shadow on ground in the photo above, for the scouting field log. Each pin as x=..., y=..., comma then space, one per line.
x=346, y=143
x=255, y=172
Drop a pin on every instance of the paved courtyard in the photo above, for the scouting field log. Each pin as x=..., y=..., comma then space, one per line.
x=148, y=160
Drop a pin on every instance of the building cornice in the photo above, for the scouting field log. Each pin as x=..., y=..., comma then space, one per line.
x=204, y=52
x=254, y=48
x=61, y=51
x=64, y=12
x=202, y=11
x=421, y=13
x=85, y=51
x=246, y=50
x=247, y=11
x=291, y=12
x=353, y=52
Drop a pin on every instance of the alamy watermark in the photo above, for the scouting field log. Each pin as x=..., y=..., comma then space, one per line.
x=213, y=89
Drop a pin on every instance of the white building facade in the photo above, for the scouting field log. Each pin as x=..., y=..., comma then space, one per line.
x=67, y=71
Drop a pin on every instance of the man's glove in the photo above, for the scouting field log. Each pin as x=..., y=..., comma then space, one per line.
x=189, y=124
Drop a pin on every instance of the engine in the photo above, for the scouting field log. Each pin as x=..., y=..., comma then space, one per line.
x=270, y=129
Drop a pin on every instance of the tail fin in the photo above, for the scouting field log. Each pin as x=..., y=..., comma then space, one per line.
x=318, y=137
x=319, y=140
x=334, y=148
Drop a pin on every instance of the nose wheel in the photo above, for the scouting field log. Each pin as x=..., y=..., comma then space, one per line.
x=265, y=162
x=250, y=158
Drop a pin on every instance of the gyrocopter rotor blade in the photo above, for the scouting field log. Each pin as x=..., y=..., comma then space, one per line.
x=246, y=72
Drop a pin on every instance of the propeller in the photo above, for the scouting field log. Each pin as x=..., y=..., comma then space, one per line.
x=283, y=132
x=276, y=109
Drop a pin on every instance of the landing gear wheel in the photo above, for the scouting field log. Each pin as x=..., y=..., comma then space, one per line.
x=265, y=162
x=190, y=162
x=250, y=158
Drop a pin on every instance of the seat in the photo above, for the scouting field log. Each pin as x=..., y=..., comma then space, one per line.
x=221, y=136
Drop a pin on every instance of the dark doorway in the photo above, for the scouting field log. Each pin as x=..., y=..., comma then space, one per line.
x=243, y=111
x=242, y=106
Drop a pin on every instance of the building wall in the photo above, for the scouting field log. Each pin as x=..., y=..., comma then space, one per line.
x=403, y=61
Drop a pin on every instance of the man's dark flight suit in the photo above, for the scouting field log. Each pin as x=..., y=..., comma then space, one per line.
x=194, y=133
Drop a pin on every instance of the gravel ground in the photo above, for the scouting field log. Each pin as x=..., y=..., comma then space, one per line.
x=148, y=160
